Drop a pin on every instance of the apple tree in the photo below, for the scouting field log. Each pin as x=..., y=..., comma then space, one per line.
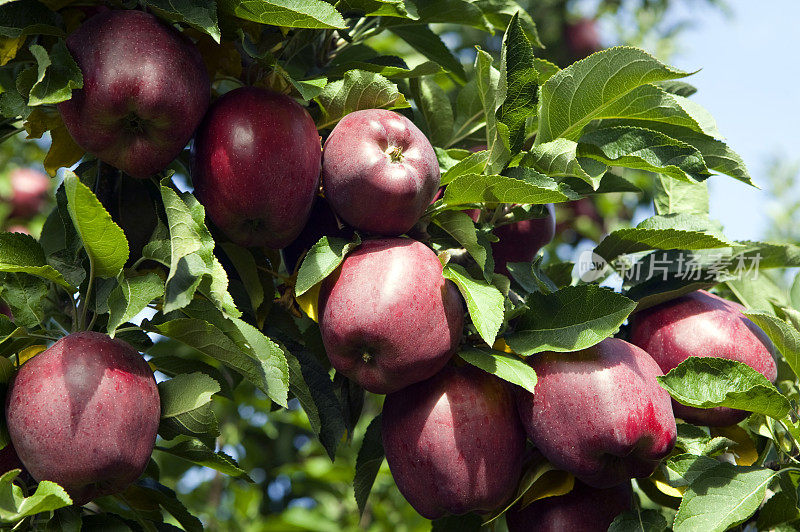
x=305, y=265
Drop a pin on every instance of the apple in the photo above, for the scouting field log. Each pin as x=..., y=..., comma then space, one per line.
x=256, y=166
x=29, y=190
x=84, y=413
x=701, y=324
x=454, y=442
x=582, y=38
x=584, y=509
x=379, y=171
x=599, y=413
x=145, y=90
x=6, y=311
x=9, y=460
x=388, y=317
x=520, y=241
x=18, y=229
x=321, y=222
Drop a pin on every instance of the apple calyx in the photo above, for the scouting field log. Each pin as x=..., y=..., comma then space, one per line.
x=395, y=154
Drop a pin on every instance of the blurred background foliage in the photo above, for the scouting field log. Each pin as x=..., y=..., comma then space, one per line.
x=295, y=484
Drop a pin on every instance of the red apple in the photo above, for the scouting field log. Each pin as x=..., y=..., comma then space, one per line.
x=582, y=38
x=6, y=311
x=256, y=166
x=18, y=229
x=388, y=317
x=703, y=325
x=584, y=509
x=29, y=190
x=145, y=90
x=379, y=171
x=599, y=413
x=454, y=442
x=84, y=413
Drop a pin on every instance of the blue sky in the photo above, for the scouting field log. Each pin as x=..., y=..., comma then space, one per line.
x=750, y=81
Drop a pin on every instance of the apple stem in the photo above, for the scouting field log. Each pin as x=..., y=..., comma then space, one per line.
x=366, y=357
x=395, y=154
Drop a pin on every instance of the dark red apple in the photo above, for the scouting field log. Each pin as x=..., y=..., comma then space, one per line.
x=29, y=190
x=256, y=166
x=599, y=413
x=582, y=38
x=321, y=222
x=84, y=413
x=584, y=509
x=701, y=324
x=454, y=442
x=388, y=317
x=145, y=90
x=520, y=241
x=379, y=171
x=9, y=460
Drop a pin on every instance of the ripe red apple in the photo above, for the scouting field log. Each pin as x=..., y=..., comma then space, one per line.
x=256, y=166
x=520, y=241
x=701, y=324
x=145, y=90
x=584, y=509
x=321, y=222
x=582, y=38
x=379, y=171
x=599, y=413
x=29, y=190
x=84, y=413
x=388, y=317
x=454, y=442
x=9, y=460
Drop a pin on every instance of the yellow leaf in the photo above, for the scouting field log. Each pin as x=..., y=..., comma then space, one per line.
x=9, y=48
x=30, y=352
x=501, y=345
x=551, y=483
x=63, y=151
x=745, y=451
x=309, y=302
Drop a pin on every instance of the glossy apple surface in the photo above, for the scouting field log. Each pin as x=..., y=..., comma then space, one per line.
x=379, y=171
x=84, y=413
x=454, y=442
x=145, y=90
x=388, y=317
x=701, y=324
x=599, y=413
x=256, y=166
x=584, y=509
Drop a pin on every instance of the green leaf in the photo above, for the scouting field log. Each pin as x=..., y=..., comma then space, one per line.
x=20, y=253
x=472, y=164
x=683, y=469
x=273, y=362
x=28, y=17
x=559, y=158
x=463, y=12
x=484, y=301
x=369, y=460
x=785, y=337
x=432, y=101
x=492, y=95
x=186, y=392
x=387, y=67
x=681, y=88
x=132, y=296
x=570, y=319
x=520, y=83
x=500, y=12
x=168, y=500
x=14, y=506
x=199, y=14
x=199, y=453
x=461, y=227
x=583, y=92
x=708, y=382
x=674, y=196
x=502, y=365
x=638, y=520
x=722, y=497
x=103, y=240
x=358, y=90
x=247, y=269
x=321, y=260
x=644, y=149
x=311, y=384
x=522, y=186
x=58, y=74
x=673, y=231
x=314, y=14
x=427, y=43
x=25, y=295
x=377, y=8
